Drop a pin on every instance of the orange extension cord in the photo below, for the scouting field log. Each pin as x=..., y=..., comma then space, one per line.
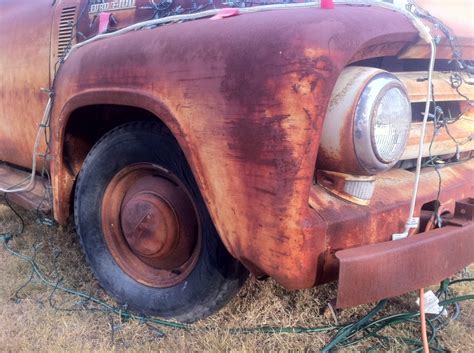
x=424, y=336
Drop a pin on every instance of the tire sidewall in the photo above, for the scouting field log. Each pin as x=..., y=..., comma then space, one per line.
x=216, y=276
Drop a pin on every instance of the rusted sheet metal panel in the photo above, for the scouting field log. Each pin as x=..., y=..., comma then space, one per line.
x=350, y=225
x=415, y=83
x=24, y=70
x=461, y=139
x=245, y=97
x=373, y=272
x=457, y=16
x=33, y=198
x=463, y=213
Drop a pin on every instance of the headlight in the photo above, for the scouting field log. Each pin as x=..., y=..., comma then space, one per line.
x=382, y=123
x=367, y=123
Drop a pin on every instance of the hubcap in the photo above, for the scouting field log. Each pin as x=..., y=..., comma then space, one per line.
x=150, y=225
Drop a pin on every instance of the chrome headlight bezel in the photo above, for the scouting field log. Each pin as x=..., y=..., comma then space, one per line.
x=365, y=117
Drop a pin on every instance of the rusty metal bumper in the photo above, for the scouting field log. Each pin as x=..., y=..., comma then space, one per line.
x=383, y=270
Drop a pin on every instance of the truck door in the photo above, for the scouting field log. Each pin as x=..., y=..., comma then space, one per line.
x=25, y=42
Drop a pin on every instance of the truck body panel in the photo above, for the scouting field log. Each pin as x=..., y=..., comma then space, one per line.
x=250, y=131
x=246, y=98
x=24, y=70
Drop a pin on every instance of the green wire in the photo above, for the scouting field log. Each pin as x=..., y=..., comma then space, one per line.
x=127, y=315
x=456, y=300
x=349, y=329
x=109, y=308
x=461, y=280
x=270, y=329
x=346, y=335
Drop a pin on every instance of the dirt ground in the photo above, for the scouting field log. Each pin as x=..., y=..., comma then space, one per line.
x=36, y=318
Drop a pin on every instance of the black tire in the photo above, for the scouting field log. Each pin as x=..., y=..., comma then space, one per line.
x=217, y=276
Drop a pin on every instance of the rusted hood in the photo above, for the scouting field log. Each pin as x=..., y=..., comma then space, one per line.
x=111, y=15
x=457, y=15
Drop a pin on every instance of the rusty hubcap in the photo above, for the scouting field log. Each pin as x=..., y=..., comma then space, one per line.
x=150, y=225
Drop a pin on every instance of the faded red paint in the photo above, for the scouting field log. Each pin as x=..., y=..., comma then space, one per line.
x=246, y=103
x=387, y=269
x=24, y=70
x=350, y=225
x=246, y=98
x=384, y=270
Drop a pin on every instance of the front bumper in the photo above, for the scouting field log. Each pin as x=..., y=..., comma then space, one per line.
x=358, y=246
x=383, y=270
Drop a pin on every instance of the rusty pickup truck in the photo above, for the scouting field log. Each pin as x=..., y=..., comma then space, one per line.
x=195, y=141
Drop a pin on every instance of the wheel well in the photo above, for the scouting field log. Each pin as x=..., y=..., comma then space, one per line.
x=87, y=125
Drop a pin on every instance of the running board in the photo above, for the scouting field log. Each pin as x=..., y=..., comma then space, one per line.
x=35, y=198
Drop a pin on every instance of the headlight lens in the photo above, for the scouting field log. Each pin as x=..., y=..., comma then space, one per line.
x=382, y=123
x=390, y=126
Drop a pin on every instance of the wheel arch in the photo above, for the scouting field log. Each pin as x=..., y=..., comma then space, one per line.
x=83, y=120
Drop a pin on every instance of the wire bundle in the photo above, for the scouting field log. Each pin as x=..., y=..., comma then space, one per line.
x=368, y=327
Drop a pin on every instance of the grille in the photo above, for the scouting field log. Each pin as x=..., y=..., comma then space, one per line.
x=66, y=29
x=456, y=137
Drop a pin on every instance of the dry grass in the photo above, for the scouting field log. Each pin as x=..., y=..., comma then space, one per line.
x=28, y=321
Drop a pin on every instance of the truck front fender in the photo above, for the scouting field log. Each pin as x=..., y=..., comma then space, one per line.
x=246, y=98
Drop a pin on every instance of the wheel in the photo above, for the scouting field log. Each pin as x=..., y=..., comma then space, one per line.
x=145, y=228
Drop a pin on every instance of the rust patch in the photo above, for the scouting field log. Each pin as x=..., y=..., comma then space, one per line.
x=351, y=226
x=246, y=98
x=389, y=269
x=150, y=225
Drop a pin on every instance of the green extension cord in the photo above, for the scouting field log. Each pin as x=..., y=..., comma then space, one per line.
x=346, y=335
